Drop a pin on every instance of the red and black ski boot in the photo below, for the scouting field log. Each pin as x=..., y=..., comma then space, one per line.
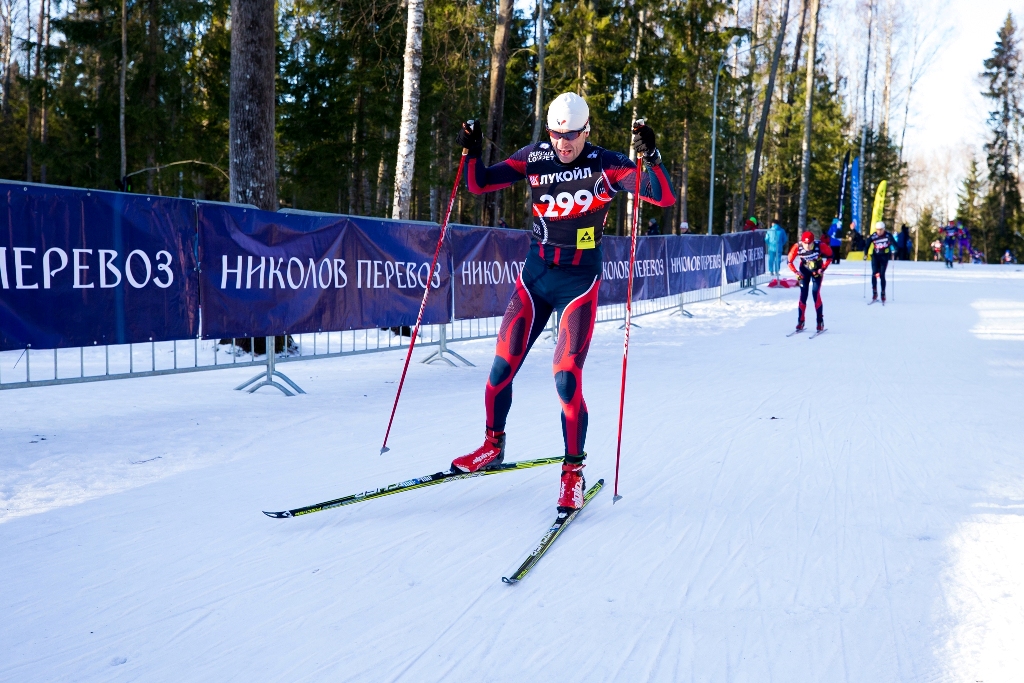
x=487, y=457
x=883, y=299
x=874, y=297
x=821, y=326
x=571, y=488
x=800, y=326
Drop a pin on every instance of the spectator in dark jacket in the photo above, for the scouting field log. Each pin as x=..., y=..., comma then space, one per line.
x=904, y=244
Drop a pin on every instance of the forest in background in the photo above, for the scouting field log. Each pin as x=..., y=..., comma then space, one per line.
x=339, y=83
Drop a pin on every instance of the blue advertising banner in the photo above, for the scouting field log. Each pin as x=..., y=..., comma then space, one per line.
x=487, y=263
x=695, y=262
x=744, y=255
x=80, y=267
x=273, y=273
x=649, y=271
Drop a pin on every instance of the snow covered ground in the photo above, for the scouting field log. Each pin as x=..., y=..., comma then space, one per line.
x=848, y=508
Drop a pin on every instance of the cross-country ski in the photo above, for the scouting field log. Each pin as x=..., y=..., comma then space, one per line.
x=550, y=536
x=411, y=485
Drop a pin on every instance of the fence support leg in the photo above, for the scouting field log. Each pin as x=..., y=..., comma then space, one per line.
x=682, y=310
x=271, y=374
x=442, y=349
x=754, y=289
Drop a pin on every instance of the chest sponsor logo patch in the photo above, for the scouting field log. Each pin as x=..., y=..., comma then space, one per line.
x=585, y=238
x=534, y=180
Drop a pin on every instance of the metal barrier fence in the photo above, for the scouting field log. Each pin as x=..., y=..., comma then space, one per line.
x=42, y=367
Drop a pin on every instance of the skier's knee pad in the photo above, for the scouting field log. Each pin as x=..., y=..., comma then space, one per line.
x=500, y=371
x=565, y=384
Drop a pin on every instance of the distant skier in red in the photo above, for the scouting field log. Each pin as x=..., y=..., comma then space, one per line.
x=815, y=256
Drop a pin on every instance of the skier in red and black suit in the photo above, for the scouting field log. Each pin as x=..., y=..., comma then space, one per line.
x=815, y=257
x=573, y=183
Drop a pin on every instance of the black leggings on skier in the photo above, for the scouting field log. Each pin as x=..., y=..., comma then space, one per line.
x=879, y=262
x=811, y=284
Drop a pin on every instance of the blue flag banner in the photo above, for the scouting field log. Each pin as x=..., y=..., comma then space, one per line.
x=273, y=273
x=649, y=272
x=694, y=262
x=81, y=267
x=744, y=255
x=856, y=191
x=487, y=263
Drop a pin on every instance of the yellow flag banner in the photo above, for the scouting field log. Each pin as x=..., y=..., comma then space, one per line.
x=876, y=212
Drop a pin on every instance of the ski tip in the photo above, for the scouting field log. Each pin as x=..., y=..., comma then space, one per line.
x=278, y=515
x=509, y=582
x=384, y=449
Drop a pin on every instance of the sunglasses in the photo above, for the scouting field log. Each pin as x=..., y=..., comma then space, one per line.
x=570, y=136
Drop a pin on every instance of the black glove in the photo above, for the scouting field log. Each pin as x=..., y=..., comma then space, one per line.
x=471, y=138
x=643, y=143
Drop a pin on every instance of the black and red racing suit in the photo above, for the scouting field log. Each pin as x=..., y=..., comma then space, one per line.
x=813, y=262
x=563, y=269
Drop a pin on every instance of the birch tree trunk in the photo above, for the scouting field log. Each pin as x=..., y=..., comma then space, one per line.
x=538, y=100
x=756, y=167
x=805, y=167
x=538, y=103
x=28, y=73
x=748, y=108
x=5, y=53
x=635, y=93
x=684, y=187
x=44, y=122
x=406, y=162
x=796, y=49
x=253, y=162
x=124, y=72
x=499, y=61
x=890, y=29
x=864, y=116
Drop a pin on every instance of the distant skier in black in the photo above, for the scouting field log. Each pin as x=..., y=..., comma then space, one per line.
x=948, y=246
x=883, y=244
x=653, y=228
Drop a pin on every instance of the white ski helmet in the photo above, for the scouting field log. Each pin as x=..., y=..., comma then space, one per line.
x=568, y=112
x=880, y=225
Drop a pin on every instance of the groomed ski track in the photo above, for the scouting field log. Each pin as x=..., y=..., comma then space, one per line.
x=872, y=531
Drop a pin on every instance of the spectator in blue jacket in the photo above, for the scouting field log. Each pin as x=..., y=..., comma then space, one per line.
x=775, y=244
x=834, y=239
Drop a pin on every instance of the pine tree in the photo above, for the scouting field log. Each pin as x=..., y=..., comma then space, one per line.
x=970, y=198
x=1002, y=75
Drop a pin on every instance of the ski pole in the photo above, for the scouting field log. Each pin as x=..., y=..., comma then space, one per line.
x=629, y=313
x=893, y=290
x=863, y=279
x=423, y=302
